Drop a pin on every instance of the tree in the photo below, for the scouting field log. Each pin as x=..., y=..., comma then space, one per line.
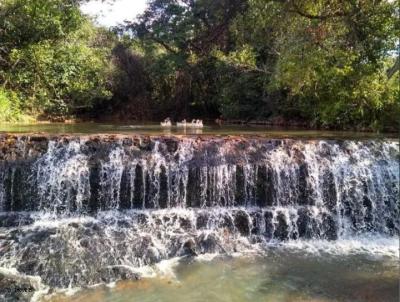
x=49, y=57
x=187, y=31
x=326, y=60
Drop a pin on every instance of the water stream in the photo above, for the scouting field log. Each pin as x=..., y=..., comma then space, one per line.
x=78, y=211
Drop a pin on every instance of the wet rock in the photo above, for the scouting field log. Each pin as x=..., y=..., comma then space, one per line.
x=39, y=235
x=74, y=225
x=125, y=195
x=256, y=218
x=298, y=155
x=194, y=187
x=201, y=220
x=94, y=181
x=269, y=224
x=325, y=149
x=92, y=145
x=368, y=209
x=138, y=187
x=329, y=190
x=242, y=223
x=391, y=226
x=185, y=223
x=122, y=223
x=114, y=273
x=8, y=220
x=146, y=144
x=142, y=218
x=262, y=183
x=146, y=250
x=148, y=192
x=306, y=226
x=226, y=221
x=37, y=138
x=127, y=142
x=240, y=198
x=85, y=243
x=163, y=194
x=15, y=289
x=281, y=227
x=189, y=248
x=329, y=227
x=208, y=243
x=305, y=193
x=172, y=145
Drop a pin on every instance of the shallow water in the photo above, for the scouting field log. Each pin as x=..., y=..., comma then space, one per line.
x=278, y=275
x=155, y=129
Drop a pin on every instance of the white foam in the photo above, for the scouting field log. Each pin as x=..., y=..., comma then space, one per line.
x=166, y=268
x=374, y=246
x=52, y=221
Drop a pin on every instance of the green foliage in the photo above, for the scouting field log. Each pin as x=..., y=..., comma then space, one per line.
x=52, y=57
x=10, y=108
x=177, y=38
x=56, y=78
x=332, y=61
x=326, y=64
x=330, y=65
x=24, y=22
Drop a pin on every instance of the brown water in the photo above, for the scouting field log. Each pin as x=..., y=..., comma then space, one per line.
x=155, y=129
x=276, y=277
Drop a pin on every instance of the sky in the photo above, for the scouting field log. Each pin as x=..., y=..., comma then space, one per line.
x=111, y=14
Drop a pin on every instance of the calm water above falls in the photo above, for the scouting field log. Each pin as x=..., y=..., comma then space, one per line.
x=77, y=211
x=155, y=129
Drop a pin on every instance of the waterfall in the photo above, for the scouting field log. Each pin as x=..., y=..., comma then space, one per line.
x=82, y=210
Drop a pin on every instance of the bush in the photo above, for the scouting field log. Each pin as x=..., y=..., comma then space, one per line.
x=10, y=108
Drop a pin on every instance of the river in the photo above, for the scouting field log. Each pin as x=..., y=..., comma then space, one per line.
x=131, y=213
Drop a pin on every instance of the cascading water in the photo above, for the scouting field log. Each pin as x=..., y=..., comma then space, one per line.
x=84, y=210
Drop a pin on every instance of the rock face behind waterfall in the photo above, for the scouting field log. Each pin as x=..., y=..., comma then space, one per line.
x=109, y=204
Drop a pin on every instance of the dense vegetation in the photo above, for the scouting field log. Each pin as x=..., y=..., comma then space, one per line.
x=327, y=64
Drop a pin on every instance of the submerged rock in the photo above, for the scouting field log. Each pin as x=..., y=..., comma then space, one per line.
x=14, y=288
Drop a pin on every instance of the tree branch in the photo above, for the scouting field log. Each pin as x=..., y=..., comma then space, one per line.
x=392, y=70
x=162, y=43
x=298, y=11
